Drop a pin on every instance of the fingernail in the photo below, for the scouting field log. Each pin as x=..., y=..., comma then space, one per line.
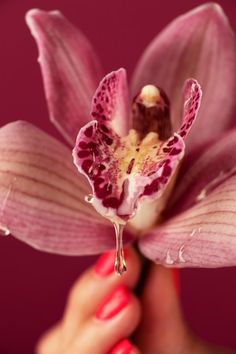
x=124, y=347
x=176, y=279
x=105, y=264
x=113, y=304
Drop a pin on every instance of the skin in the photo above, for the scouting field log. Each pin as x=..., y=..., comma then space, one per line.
x=154, y=323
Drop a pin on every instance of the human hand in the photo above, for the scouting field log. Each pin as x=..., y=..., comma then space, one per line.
x=90, y=327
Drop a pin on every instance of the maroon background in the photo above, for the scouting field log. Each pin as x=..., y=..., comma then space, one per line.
x=33, y=284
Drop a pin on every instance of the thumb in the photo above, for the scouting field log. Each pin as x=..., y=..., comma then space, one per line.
x=162, y=328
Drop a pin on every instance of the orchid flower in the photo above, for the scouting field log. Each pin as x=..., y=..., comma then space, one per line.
x=175, y=188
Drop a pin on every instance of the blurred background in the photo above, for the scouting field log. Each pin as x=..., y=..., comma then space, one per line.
x=33, y=285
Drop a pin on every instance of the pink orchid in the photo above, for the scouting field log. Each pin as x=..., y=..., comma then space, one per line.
x=185, y=212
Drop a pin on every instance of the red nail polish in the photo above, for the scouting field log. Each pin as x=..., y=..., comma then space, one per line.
x=105, y=264
x=176, y=279
x=113, y=304
x=124, y=347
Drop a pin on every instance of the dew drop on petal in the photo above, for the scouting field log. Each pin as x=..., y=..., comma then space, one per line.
x=181, y=254
x=4, y=231
x=168, y=259
x=201, y=195
x=89, y=198
x=193, y=233
x=120, y=264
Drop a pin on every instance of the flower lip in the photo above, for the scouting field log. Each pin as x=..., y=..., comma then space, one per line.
x=124, y=170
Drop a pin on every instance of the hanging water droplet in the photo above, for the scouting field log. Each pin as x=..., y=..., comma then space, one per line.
x=89, y=198
x=120, y=265
x=4, y=231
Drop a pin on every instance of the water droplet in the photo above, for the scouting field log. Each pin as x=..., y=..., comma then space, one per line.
x=193, y=233
x=169, y=260
x=4, y=231
x=201, y=195
x=181, y=254
x=89, y=198
x=120, y=265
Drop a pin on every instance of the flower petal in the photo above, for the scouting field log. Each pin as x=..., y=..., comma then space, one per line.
x=204, y=233
x=111, y=103
x=42, y=196
x=186, y=49
x=70, y=68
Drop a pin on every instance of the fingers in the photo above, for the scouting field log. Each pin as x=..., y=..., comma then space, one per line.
x=162, y=329
x=89, y=291
x=124, y=347
x=101, y=311
x=116, y=318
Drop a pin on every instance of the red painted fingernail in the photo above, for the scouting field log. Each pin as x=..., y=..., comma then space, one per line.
x=176, y=279
x=124, y=347
x=105, y=264
x=113, y=304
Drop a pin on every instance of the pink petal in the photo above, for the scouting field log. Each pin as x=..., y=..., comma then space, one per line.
x=70, y=68
x=204, y=233
x=199, y=44
x=111, y=102
x=42, y=196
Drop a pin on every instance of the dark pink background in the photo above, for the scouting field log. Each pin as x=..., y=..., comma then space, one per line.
x=33, y=284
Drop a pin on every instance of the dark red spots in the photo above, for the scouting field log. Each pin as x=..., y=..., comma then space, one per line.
x=137, y=149
x=173, y=141
x=92, y=145
x=104, y=128
x=130, y=166
x=171, y=150
x=83, y=153
x=86, y=166
x=97, y=182
x=101, y=167
x=175, y=151
x=99, y=108
x=111, y=202
x=89, y=131
x=83, y=145
x=167, y=171
x=107, y=139
x=103, y=192
x=152, y=187
x=165, y=149
x=183, y=133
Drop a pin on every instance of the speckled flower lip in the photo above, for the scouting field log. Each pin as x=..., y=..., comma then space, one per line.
x=129, y=156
